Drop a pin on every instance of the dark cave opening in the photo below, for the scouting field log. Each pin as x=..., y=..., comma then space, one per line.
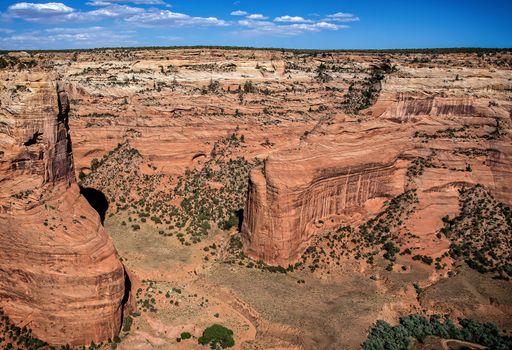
x=127, y=289
x=240, y=215
x=36, y=137
x=96, y=199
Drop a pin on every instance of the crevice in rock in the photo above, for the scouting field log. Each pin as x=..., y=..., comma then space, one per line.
x=127, y=289
x=240, y=214
x=35, y=138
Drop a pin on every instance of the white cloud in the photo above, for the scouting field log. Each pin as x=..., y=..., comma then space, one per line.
x=137, y=2
x=33, y=12
x=165, y=17
x=60, y=30
x=271, y=28
x=295, y=19
x=113, y=11
x=238, y=13
x=58, y=12
x=256, y=16
x=170, y=37
x=6, y=30
x=342, y=17
x=67, y=38
x=255, y=24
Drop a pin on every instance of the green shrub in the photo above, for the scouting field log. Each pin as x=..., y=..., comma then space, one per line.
x=384, y=336
x=217, y=335
x=127, y=324
x=185, y=335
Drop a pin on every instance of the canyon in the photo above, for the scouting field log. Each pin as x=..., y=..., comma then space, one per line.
x=280, y=193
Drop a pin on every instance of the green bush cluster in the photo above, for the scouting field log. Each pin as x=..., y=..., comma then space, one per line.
x=379, y=234
x=217, y=336
x=480, y=233
x=153, y=196
x=14, y=337
x=386, y=337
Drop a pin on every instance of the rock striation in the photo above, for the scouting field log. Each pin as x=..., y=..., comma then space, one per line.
x=347, y=165
x=59, y=271
x=299, y=193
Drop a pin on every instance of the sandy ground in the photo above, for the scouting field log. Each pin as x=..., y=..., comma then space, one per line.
x=271, y=310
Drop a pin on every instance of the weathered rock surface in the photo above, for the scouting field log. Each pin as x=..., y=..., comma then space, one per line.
x=346, y=165
x=59, y=271
x=297, y=194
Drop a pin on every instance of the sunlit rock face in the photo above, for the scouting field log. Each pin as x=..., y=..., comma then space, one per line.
x=348, y=164
x=59, y=271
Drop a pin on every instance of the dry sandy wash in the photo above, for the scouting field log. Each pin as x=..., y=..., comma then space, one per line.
x=295, y=197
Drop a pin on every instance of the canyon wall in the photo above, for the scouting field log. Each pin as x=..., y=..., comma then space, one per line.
x=349, y=165
x=299, y=193
x=59, y=271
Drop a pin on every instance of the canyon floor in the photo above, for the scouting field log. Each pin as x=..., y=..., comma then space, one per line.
x=271, y=310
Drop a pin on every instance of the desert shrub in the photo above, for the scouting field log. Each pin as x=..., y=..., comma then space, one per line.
x=231, y=222
x=384, y=336
x=185, y=335
x=249, y=87
x=127, y=324
x=217, y=335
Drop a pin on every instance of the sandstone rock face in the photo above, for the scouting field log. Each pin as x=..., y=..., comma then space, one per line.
x=59, y=271
x=346, y=164
x=298, y=194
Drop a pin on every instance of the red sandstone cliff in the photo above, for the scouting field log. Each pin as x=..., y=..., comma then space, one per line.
x=59, y=271
x=347, y=167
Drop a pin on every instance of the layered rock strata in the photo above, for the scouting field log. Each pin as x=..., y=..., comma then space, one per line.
x=299, y=193
x=346, y=163
x=59, y=271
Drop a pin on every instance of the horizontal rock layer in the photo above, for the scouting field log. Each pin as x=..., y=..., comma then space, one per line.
x=345, y=163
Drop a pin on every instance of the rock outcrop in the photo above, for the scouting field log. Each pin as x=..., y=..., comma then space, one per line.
x=299, y=193
x=59, y=271
x=347, y=165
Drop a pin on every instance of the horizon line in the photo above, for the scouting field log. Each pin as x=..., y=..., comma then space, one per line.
x=229, y=47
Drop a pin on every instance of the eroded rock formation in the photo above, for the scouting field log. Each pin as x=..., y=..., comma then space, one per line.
x=346, y=165
x=59, y=271
x=298, y=194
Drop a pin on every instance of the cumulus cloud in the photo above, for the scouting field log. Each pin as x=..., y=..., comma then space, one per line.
x=141, y=14
x=271, y=28
x=68, y=37
x=342, y=17
x=256, y=16
x=113, y=11
x=294, y=19
x=32, y=12
x=58, y=12
x=238, y=13
x=170, y=37
x=62, y=30
x=170, y=18
x=137, y=2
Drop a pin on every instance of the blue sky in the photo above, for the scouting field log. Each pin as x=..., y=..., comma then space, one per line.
x=322, y=24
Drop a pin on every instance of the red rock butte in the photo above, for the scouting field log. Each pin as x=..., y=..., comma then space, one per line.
x=59, y=273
